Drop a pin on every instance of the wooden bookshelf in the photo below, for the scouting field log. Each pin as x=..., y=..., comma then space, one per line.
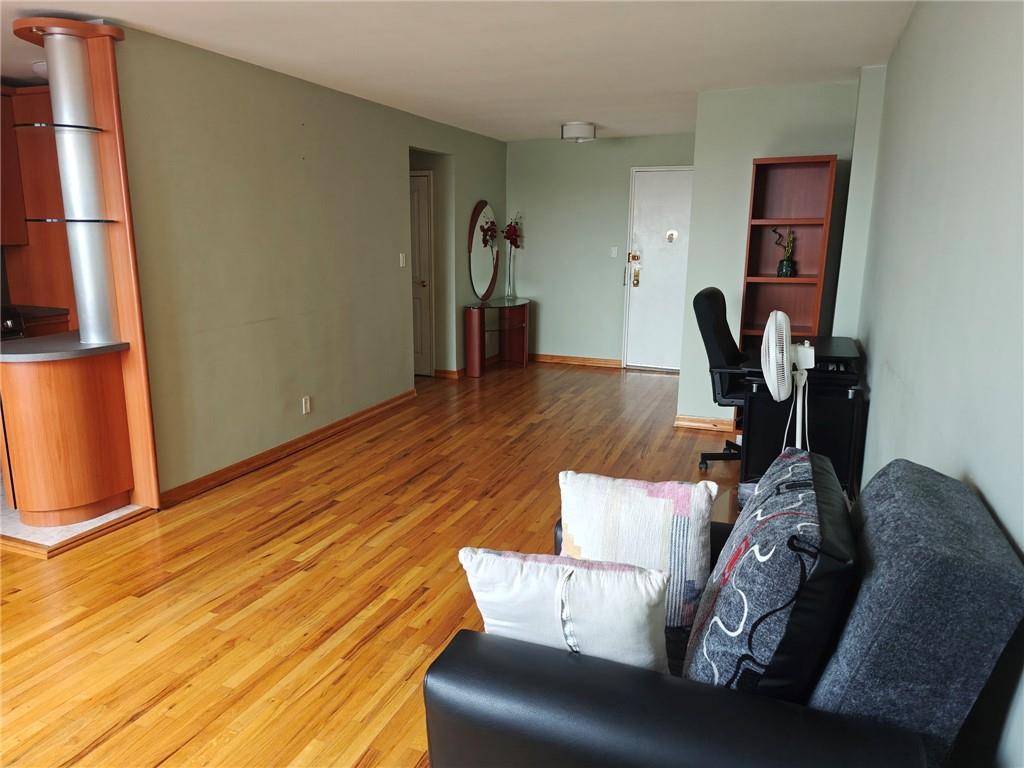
x=788, y=193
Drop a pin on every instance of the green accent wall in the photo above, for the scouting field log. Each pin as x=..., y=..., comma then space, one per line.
x=269, y=215
x=574, y=199
x=734, y=127
x=942, y=310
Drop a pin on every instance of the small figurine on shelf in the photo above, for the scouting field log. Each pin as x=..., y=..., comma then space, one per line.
x=787, y=268
x=513, y=233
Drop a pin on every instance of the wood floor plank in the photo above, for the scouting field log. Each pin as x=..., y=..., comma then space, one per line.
x=287, y=617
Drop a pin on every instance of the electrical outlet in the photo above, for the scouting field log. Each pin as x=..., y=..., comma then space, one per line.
x=401, y=259
x=307, y=405
x=614, y=251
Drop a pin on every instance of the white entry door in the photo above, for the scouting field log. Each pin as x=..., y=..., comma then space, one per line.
x=422, y=261
x=659, y=241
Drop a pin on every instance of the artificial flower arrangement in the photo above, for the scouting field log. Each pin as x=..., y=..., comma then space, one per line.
x=513, y=231
x=786, y=267
x=489, y=233
x=513, y=234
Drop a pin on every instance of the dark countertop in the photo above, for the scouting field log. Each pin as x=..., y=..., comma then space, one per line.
x=57, y=346
x=33, y=313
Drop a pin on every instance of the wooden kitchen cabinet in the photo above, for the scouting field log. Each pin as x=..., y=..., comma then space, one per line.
x=12, y=201
x=39, y=264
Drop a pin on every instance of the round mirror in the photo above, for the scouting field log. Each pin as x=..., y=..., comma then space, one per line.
x=483, y=250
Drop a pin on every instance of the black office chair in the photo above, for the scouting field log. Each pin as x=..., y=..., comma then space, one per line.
x=728, y=383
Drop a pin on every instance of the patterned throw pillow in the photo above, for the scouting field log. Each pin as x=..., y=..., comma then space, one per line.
x=662, y=526
x=780, y=592
x=609, y=610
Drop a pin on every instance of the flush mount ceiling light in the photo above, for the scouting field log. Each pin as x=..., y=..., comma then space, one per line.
x=39, y=68
x=578, y=132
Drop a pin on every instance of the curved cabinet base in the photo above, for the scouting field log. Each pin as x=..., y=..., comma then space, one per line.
x=67, y=437
x=75, y=514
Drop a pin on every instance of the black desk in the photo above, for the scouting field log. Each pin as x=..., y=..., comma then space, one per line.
x=837, y=409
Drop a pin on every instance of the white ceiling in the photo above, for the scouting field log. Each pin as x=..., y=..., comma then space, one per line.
x=516, y=70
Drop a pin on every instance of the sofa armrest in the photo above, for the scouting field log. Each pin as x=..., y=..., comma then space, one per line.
x=493, y=701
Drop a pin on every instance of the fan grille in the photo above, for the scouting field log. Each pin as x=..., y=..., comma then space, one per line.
x=781, y=340
x=776, y=355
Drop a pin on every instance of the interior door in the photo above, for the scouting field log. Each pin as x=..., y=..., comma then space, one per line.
x=659, y=242
x=422, y=261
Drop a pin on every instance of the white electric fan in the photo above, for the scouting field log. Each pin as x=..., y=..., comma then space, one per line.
x=779, y=357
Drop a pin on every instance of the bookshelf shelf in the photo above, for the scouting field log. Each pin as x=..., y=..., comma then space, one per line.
x=796, y=330
x=786, y=222
x=769, y=280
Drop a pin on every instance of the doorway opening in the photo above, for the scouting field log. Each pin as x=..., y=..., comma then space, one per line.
x=428, y=260
x=658, y=246
x=421, y=269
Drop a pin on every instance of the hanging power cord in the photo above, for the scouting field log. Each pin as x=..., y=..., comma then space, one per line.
x=785, y=434
x=807, y=417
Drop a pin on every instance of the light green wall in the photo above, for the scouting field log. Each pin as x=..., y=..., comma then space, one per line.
x=574, y=199
x=863, y=165
x=269, y=215
x=734, y=127
x=942, y=312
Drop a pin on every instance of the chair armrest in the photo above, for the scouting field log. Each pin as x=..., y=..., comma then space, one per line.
x=732, y=370
x=499, y=702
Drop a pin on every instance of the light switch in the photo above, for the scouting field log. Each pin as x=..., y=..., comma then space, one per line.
x=614, y=251
x=401, y=259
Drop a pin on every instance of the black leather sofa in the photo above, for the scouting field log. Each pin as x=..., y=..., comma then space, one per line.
x=493, y=701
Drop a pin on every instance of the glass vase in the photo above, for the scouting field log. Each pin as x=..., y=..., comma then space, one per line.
x=510, y=275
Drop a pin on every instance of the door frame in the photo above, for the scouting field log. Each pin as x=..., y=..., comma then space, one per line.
x=429, y=175
x=625, y=270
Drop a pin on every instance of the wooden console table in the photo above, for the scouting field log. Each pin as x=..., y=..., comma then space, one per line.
x=513, y=333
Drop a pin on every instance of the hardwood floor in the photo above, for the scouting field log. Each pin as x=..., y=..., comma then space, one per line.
x=287, y=617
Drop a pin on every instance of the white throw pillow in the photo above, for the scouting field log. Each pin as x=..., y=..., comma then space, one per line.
x=609, y=610
x=663, y=526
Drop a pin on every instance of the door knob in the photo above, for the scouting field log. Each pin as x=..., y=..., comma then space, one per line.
x=636, y=277
x=423, y=283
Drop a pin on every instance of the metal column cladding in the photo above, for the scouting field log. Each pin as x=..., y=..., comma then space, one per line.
x=77, y=137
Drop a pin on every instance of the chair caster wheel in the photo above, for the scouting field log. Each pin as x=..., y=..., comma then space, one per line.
x=703, y=466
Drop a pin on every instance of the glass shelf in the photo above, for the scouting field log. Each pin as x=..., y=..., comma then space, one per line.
x=71, y=221
x=89, y=128
x=501, y=303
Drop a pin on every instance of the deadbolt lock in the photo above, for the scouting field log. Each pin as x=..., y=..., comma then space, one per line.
x=633, y=256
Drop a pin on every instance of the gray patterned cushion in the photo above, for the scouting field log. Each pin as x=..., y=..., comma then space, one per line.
x=942, y=593
x=777, y=598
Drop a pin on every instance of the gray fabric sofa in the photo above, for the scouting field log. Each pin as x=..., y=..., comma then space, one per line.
x=941, y=594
